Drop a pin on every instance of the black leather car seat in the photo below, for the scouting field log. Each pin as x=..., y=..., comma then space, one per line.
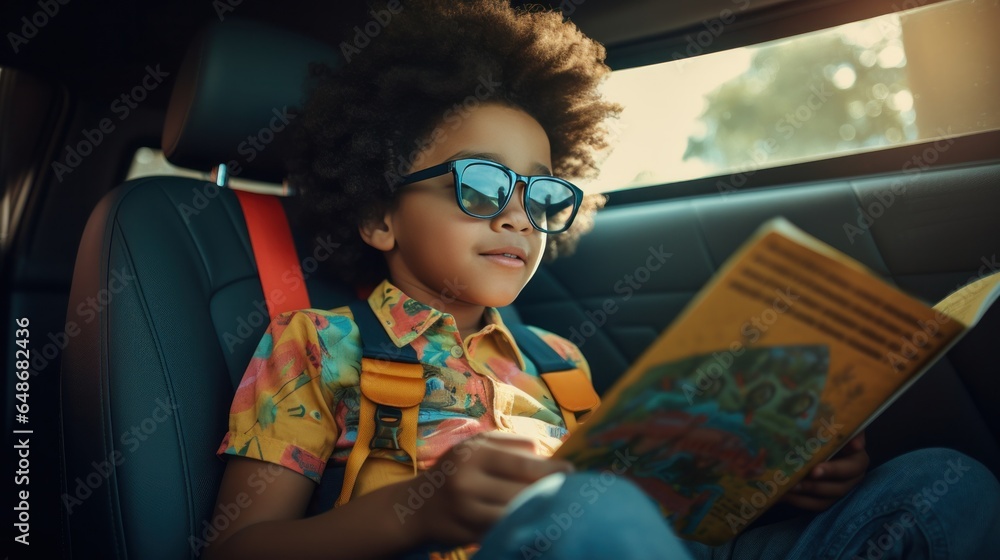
x=178, y=307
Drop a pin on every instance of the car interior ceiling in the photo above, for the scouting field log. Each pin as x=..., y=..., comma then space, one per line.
x=62, y=80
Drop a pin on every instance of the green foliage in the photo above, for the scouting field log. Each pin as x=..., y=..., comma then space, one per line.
x=810, y=96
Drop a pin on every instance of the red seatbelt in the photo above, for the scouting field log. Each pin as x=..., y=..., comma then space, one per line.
x=273, y=249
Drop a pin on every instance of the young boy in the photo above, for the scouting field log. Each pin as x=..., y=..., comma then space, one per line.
x=437, y=159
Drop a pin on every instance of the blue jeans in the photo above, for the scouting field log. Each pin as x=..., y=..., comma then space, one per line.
x=931, y=503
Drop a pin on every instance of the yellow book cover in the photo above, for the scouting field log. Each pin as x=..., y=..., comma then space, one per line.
x=789, y=351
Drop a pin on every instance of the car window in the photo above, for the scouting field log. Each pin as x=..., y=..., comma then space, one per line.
x=906, y=77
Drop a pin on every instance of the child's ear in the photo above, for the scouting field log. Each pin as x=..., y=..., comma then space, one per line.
x=378, y=233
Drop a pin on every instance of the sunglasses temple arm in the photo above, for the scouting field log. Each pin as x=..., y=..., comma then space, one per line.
x=434, y=171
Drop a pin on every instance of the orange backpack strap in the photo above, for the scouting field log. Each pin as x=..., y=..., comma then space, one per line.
x=570, y=387
x=574, y=394
x=392, y=388
x=274, y=252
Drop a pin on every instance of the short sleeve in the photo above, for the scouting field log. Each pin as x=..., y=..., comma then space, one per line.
x=283, y=410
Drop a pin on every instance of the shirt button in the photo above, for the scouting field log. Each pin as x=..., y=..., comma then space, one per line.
x=456, y=351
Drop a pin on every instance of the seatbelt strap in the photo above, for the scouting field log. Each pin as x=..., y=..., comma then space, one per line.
x=392, y=388
x=570, y=387
x=274, y=252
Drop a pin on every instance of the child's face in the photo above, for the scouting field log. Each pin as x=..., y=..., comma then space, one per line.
x=441, y=256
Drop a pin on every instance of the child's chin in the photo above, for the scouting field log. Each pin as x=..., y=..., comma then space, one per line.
x=500, y=297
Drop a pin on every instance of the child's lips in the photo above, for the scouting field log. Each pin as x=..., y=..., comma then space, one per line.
x=508, y=260
x=510, y=256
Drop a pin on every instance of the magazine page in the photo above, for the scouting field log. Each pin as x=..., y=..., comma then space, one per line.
x=770, y=369
x=970, y=302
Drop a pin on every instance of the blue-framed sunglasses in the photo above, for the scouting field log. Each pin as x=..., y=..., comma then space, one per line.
x=483, y=188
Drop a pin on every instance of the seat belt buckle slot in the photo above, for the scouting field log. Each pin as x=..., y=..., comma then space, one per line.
x=388, y=421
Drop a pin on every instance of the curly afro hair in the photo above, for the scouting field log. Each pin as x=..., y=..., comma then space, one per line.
x=362, y=125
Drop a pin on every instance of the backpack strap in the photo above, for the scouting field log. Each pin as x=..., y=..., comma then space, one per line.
x=392, y=388
x=570, y=387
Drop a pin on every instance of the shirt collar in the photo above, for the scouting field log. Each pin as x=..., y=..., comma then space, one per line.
x=405, y=318
x=495, y=323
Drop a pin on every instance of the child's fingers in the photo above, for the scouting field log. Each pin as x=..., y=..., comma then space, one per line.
x=475, y=517
x=836, y=470
x=518, y=466
x=499, y=491
x=841, y=469
x=508, y=441
x=856, y=445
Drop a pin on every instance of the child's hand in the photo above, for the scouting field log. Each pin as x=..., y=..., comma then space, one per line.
x=831, y=480
x=475, y=481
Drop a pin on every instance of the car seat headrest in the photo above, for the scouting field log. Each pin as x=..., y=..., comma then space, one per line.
x=234, y=97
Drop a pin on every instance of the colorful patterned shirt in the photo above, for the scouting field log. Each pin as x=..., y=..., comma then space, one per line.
x=298, y=402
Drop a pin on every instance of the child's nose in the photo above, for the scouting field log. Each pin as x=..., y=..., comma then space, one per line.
x=515, y=216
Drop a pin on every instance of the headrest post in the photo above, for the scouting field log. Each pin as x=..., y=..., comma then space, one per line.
x=221, y=175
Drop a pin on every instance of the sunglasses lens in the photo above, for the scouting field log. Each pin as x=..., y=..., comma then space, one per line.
x=484, y=188
x=551, y=204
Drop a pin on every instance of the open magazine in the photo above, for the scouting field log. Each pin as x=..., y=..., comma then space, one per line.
x=789, y=351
